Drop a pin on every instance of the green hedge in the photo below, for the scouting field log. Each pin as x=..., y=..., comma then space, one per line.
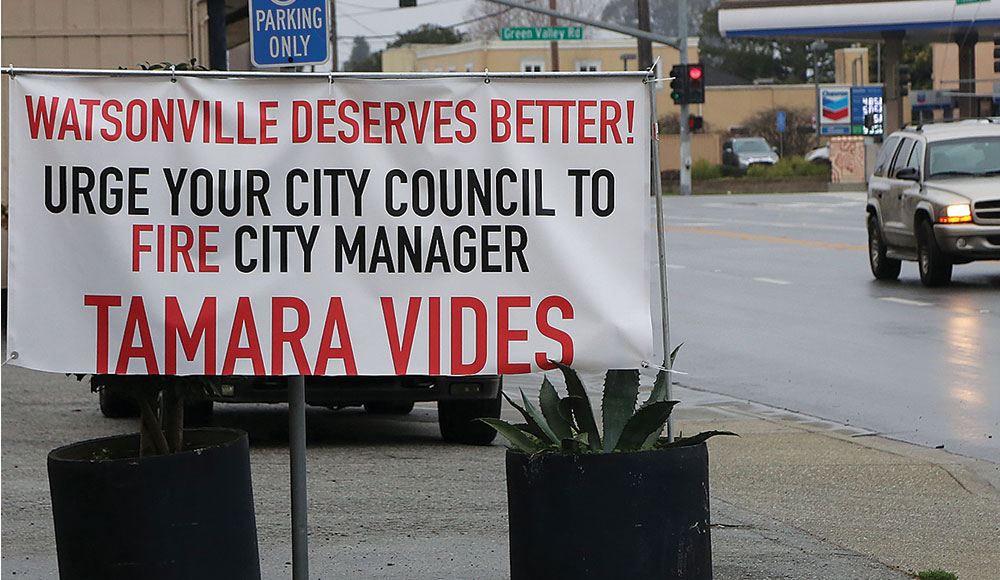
x=789, y=167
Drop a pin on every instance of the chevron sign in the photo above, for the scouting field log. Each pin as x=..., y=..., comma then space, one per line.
x=836, y=105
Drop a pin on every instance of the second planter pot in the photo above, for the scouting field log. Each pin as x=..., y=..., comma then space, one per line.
x=610, y=515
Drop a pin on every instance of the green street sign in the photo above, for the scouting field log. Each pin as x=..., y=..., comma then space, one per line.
x=542, y=33
x=969, y=1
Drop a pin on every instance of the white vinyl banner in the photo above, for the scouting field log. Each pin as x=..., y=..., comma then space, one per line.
x=272, y=226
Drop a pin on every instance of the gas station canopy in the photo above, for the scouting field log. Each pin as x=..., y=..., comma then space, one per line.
x=923, y=20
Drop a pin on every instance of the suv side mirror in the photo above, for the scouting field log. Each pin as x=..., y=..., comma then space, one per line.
x=908, y=173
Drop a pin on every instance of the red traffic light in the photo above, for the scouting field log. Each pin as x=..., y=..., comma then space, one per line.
x=694, y=72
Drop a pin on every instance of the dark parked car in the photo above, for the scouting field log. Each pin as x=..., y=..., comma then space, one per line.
x=746, y=151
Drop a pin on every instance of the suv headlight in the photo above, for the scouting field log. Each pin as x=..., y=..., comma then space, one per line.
x=956, y=214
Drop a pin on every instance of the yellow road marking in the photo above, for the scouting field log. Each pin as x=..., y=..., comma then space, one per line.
x=775, y=239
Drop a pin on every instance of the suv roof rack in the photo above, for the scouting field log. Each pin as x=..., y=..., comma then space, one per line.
x=920, y=126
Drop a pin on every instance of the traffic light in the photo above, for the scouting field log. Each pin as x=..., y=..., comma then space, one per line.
x=996, y=52
x=904, y=80
x=679, y=84
x=688, y=84
x=695, y=123
x=696, y=83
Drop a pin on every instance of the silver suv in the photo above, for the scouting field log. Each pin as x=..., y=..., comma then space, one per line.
x=934, y=197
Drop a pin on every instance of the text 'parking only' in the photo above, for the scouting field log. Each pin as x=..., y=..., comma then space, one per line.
x=288, y=32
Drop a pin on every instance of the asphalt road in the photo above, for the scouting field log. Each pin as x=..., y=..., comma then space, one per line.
x=774, y=302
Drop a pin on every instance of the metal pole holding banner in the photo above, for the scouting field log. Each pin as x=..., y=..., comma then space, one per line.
x=657, y=187
x=297, y=455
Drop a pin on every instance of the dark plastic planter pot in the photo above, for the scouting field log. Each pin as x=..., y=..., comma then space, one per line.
x=610, y=515
x=187, y=515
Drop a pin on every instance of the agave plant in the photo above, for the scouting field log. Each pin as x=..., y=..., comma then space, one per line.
x=567, y=425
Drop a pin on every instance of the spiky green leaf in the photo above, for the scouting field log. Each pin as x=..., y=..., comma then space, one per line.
x=539, y=420
x=532, y=430
x=521, y=441
x=621, y=387
x=583, y=416
x=548, y=400
x=529, y=418
x=574, y=384
x=646, y=421
x=693, y=440
x=659, y=392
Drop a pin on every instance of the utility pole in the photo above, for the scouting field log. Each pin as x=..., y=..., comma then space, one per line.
x=217, y=59
x=645, y=45
x=554, y=45
x=334, y=59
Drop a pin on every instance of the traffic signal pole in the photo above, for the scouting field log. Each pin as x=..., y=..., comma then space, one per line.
x=685, y=129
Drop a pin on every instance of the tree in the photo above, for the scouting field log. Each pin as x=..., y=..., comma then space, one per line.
x=798, y=137
x=662, y=15
x=428, y=34
x=423, y=34
x=920, y=60
x=781, y=59
x=360, y=55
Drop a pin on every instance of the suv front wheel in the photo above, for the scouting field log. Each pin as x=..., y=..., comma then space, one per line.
x=935, y=267
x=883, y=267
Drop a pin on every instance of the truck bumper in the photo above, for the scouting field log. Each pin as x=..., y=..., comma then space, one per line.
x=350, y=391
x=965, y=242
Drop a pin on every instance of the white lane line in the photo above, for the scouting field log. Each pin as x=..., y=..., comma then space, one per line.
x=773, y=281
x=905, y=301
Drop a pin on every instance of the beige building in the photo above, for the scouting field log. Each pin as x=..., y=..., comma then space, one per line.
x=93, y=34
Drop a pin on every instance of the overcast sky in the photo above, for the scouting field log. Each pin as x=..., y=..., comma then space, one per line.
x=379, y=21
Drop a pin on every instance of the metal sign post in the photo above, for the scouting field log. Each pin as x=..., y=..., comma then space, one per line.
x=657, y=191
x=297, y=455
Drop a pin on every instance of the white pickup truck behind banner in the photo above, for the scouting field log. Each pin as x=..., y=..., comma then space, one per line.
x=284, y=226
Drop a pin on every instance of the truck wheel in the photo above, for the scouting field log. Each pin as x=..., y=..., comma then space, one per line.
x=389, y=407
x=116, y=404
x=458, y=420
x=883, y=268
x=935, y=267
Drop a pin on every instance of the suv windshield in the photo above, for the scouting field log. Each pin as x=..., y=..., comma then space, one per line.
x=979, y=156
x=751, y=146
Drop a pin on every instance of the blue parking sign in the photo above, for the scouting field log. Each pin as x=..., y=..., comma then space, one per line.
x=288, y=32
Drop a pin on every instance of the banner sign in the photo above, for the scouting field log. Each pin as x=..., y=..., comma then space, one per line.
x=270, y=226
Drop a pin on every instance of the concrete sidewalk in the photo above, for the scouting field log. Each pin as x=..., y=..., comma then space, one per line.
x=814, y=499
